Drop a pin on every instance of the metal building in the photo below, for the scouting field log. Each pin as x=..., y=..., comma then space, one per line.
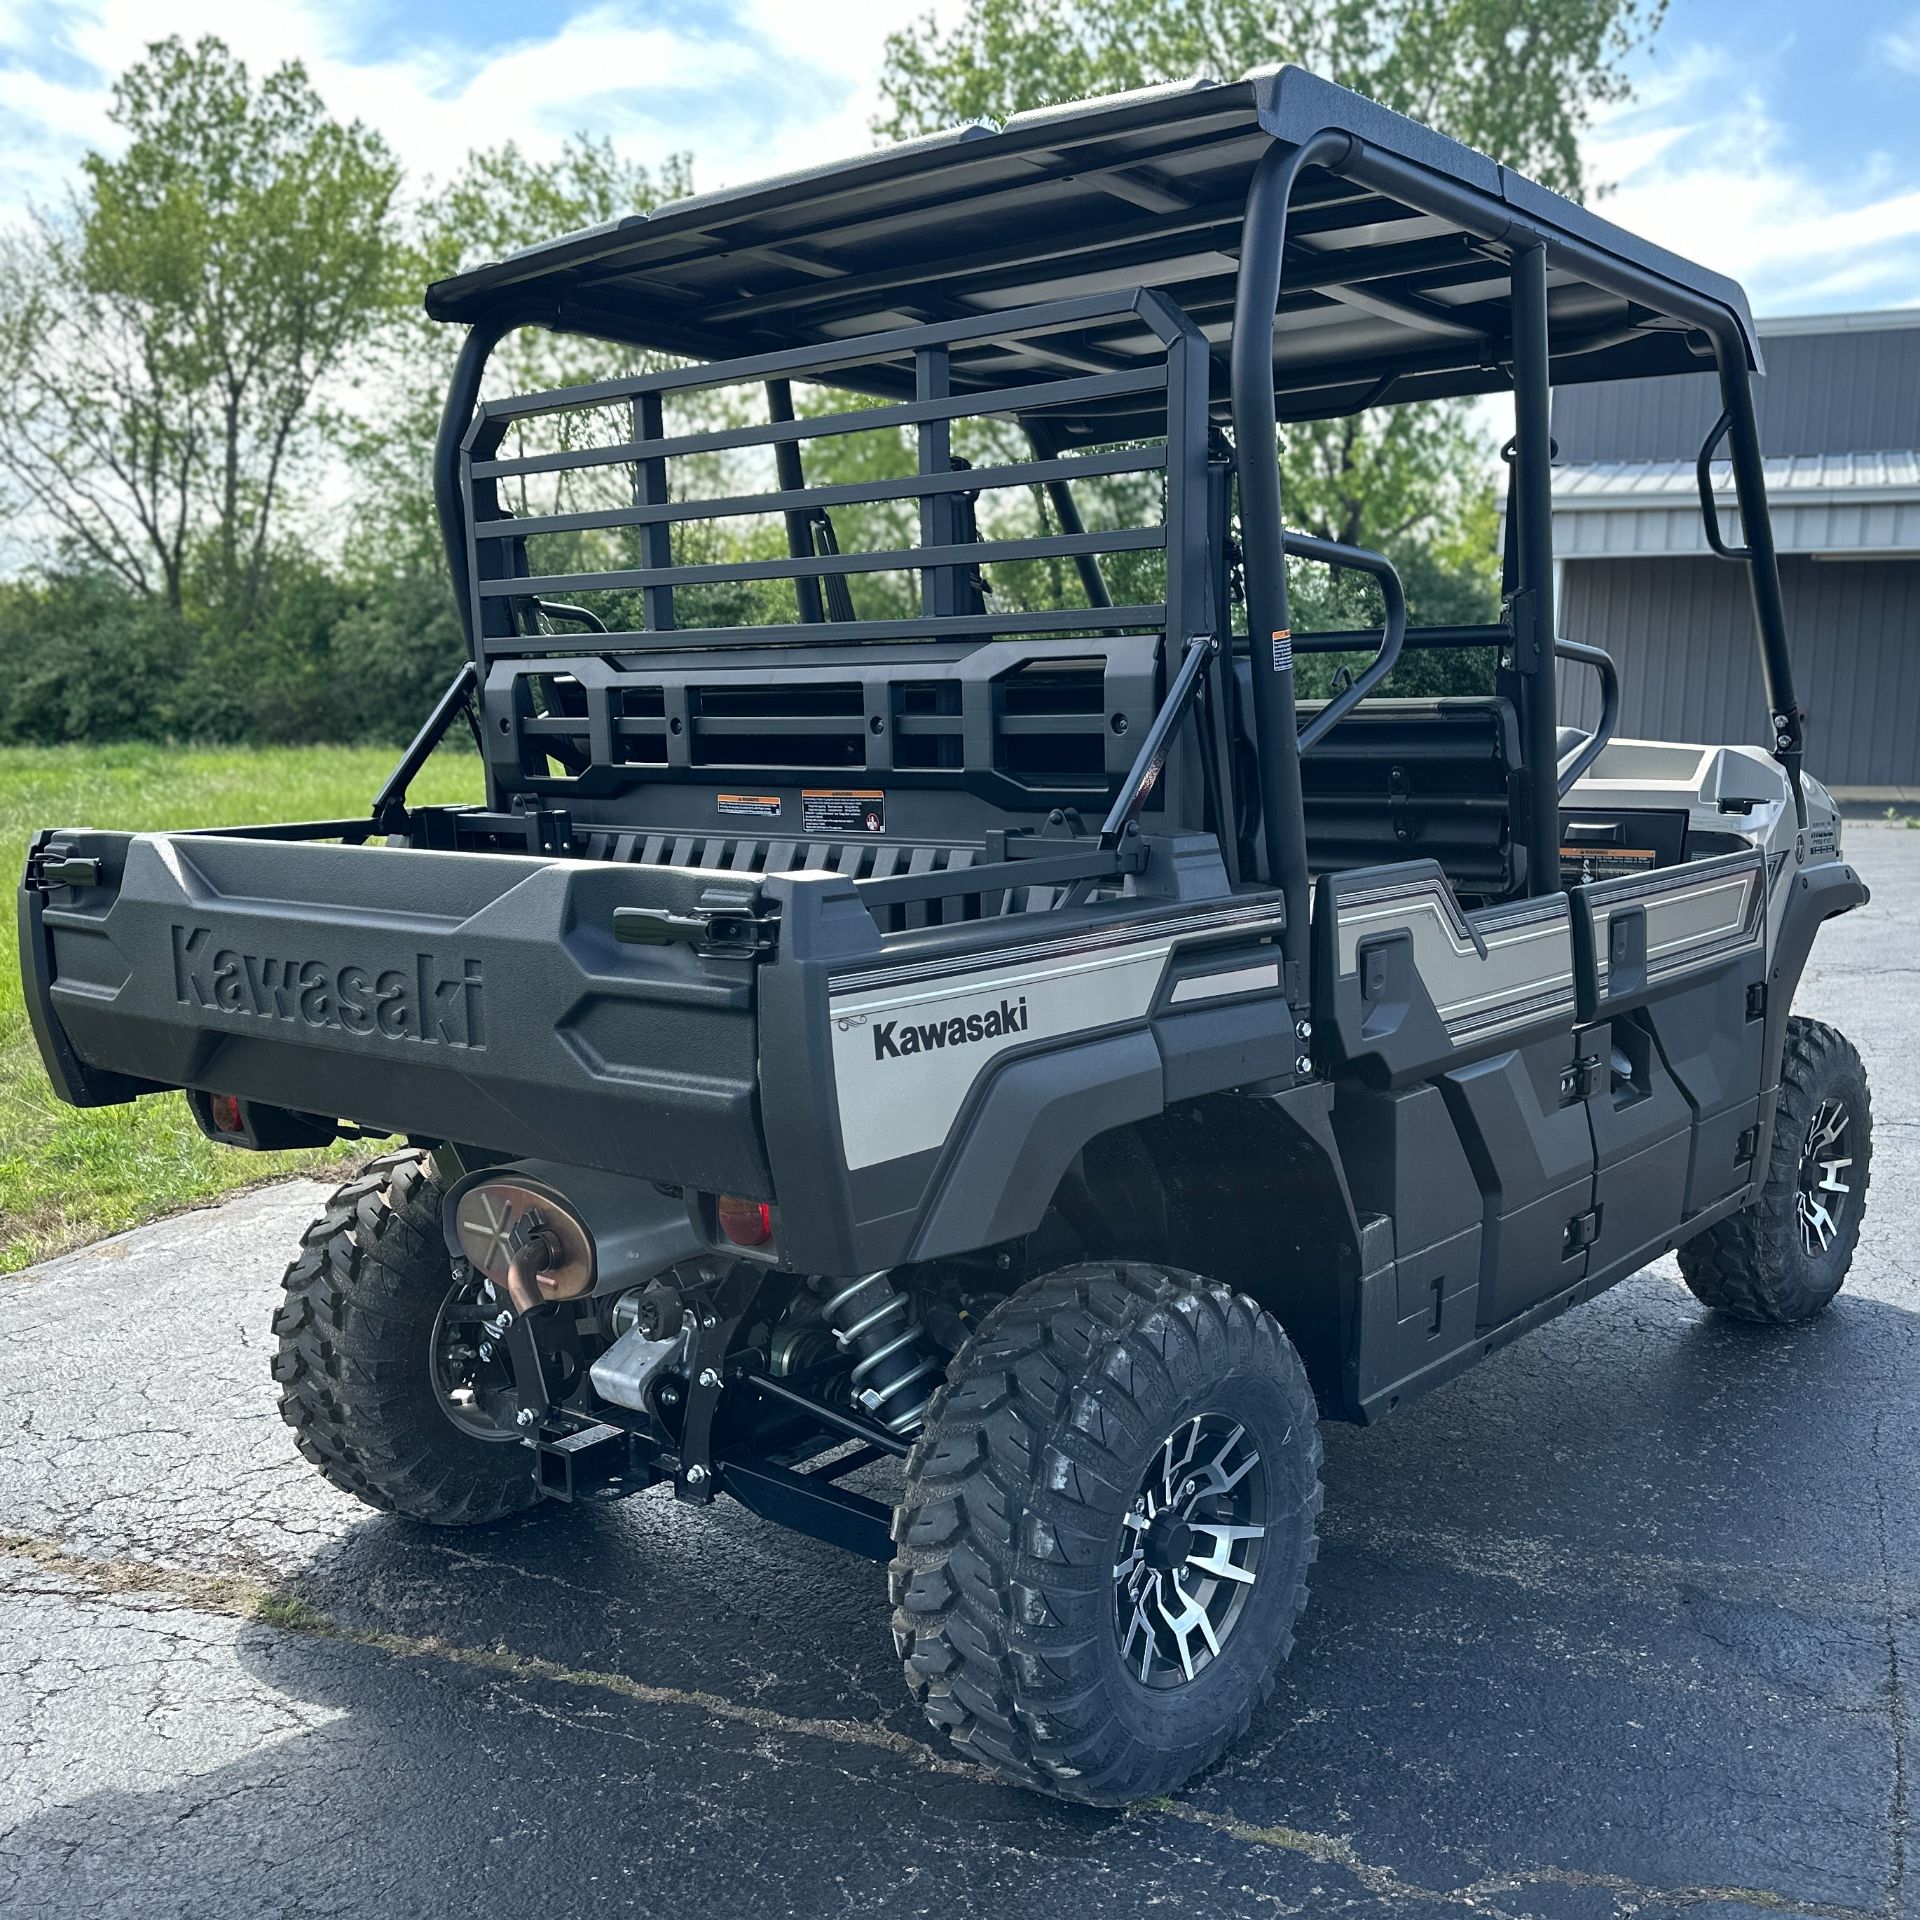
x=1840, y=422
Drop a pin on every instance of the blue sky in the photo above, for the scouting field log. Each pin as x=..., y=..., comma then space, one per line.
x=1777, y=141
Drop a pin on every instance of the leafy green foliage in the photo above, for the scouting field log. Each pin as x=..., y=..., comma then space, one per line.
x=1519, y=78
x=500, y=201
x=167, y=336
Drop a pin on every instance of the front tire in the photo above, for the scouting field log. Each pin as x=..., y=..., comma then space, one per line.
x=358, y=1331
x=1783, y=1258
x=1117, y=1447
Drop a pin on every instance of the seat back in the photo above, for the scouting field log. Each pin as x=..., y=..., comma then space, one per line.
x=1418, y=779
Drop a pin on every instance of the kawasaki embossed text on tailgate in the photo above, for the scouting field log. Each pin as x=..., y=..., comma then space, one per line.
x=480, y=997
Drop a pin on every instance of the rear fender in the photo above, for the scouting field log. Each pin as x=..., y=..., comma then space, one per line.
x=1816, y=894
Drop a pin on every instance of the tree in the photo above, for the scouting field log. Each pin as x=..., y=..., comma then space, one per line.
x=403, y=641
x=165, y=341
x=501, y=201
x=1519, y=78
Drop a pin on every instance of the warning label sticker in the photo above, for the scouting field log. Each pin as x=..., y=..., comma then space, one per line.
x=749, y=806
x=1581, y=864
x=843, y=810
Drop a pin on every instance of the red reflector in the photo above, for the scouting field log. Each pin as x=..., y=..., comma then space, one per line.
x=223, y=1109
x=747, y=1223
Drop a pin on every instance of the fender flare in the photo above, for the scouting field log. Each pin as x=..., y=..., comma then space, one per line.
x=1818, y=894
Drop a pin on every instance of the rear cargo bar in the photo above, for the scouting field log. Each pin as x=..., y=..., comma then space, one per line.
x=912, y=486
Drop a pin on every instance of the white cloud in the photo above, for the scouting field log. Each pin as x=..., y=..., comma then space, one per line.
x=766, y=91
x=1899, y=47
x=1702, y=163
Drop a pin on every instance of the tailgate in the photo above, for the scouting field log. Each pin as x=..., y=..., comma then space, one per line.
x=473, y=997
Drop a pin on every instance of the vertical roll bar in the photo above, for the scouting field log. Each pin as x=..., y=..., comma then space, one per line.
x=1532, y=611
x=1256, y=436
x=1785, y=721
x=456, y=415
x=463, y=395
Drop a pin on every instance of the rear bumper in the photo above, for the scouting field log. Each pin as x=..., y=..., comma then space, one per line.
x=472, y=997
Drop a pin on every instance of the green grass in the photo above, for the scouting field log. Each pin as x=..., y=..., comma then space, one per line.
x=66, y=1175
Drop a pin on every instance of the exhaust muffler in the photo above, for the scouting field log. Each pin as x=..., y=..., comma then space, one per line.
x=542, y=1232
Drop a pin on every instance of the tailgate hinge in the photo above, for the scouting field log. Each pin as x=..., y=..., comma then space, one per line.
x=729, y=925
x=48, y=870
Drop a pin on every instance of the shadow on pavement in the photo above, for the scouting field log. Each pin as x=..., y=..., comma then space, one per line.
x=1612, y=1623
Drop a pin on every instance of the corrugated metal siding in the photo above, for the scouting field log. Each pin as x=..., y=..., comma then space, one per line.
x=1681, y=633
x=1839, y=526
x=1823, y=393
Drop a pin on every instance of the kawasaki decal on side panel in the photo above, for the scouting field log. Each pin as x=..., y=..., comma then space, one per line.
x=907, y=1050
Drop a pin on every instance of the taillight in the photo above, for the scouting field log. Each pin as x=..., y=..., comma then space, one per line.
x=747, y=1223
x=223, y=1109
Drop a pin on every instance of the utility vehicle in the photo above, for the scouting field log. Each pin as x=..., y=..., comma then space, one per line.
x=930, y=1033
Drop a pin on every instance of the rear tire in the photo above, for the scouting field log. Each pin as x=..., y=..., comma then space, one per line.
x=357, y=1331
x=1023, y=1510
x=1783, y=1258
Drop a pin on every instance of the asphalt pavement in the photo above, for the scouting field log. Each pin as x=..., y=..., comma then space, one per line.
x=1624, y=1622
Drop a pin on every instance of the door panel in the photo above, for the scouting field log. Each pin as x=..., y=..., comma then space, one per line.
x=1642, y=1133
x=1531, y=1147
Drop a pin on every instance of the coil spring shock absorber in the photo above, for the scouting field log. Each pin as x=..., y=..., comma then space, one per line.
x=893, y=1378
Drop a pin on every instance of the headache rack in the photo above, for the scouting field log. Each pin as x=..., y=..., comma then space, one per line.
x=865, y=635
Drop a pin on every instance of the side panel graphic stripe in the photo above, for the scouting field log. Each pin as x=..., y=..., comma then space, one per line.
x=1697, y=915
x=1517, y=973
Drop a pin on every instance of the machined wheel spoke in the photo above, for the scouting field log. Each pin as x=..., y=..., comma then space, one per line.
x=1188, y=1550
x=1219, y=1477
x=1183, y=1624
x=1818, y=1220
x=1218, y=1567
x=1173, y=1468
x=1823, y=1159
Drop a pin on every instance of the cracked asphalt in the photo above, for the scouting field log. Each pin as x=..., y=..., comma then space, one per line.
x=1624, y=1622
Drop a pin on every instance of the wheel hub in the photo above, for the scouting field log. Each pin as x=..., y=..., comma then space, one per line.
x=1168, y=1542
x=1189, y=1551
x=1825, y=1190
x=472, y=1376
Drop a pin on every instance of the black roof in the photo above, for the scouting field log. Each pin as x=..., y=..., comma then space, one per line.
x=1383, y=301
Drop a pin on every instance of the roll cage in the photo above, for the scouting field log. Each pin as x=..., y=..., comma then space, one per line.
x=1158, y=281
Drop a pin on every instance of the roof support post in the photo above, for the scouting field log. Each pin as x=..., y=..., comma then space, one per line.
x=940, y=594
x=790, y=473
x=463, y=395
x=1785, y=721
x=1046, y=446
x=1256, y=437
x=1532, y=609
x=449, y=496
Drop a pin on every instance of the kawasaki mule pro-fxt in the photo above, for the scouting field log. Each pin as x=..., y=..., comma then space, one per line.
x=928, y=1036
